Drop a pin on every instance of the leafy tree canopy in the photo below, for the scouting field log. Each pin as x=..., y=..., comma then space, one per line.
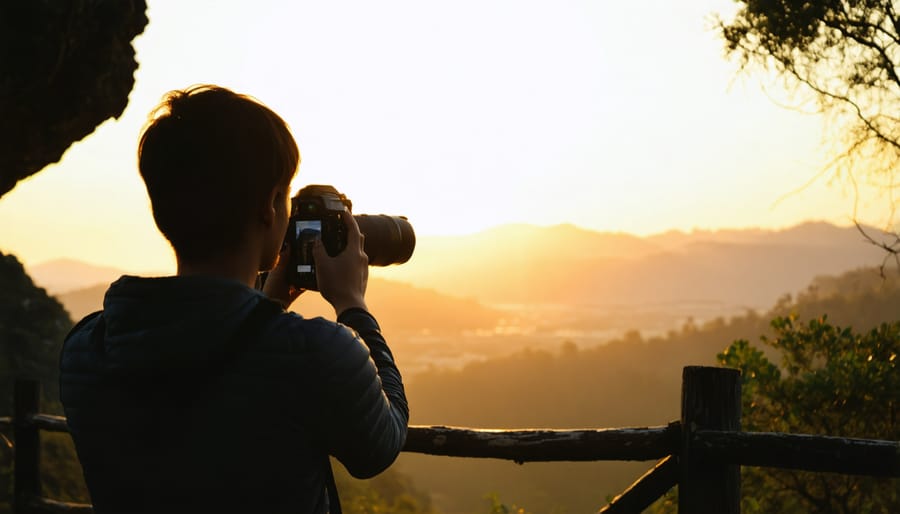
x=32, y=327
x=847, y=53
x=831, y=381
x=390, y=491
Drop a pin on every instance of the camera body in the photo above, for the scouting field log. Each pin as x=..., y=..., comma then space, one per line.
x=319, y=212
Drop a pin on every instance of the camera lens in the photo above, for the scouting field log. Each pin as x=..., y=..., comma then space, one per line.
x=389, y=239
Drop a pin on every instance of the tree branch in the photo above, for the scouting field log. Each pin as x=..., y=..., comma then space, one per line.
x=892, y=16
x=892, y=249
x=893, y=36
x=887, y=63
x=845, y=100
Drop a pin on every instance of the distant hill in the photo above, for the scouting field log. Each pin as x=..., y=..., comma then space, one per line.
x=808, y=233
x=568, y=265
x=538, y=242
x=403, y=307
x=62, y=275
x=400, y=307
x=577, y=275
x=82, y=302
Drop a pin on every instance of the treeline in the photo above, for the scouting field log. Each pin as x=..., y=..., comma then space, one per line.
x=631, y=381
x=32, y=327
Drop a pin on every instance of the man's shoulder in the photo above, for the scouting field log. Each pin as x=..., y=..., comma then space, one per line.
x=292, y=332
x=80, y=335
x=87, y=322
x=312, y=350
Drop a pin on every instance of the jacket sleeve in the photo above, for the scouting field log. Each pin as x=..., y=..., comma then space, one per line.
x=364, y=415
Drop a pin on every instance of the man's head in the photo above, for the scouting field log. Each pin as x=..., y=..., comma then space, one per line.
x=210, y=159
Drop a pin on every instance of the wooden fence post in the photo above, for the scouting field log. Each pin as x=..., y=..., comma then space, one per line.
x=26, y=474
x=710, y=399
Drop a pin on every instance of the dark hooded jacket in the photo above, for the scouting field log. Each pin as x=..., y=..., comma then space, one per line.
x=175, y=406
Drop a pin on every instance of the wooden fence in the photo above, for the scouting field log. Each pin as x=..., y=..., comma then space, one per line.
x=701, y=453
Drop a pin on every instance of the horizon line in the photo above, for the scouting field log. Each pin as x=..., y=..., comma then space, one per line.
x=688, y=232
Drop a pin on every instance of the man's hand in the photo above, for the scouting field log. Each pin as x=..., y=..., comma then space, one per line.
x=277, y=286
x=343, y=279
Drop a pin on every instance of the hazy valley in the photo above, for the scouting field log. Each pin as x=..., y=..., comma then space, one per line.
x=465, y=298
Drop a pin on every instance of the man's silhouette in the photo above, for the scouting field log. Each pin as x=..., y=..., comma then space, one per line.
x=199, y=393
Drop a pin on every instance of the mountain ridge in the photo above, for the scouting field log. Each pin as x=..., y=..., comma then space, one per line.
x=567, y=264
x=752, y=266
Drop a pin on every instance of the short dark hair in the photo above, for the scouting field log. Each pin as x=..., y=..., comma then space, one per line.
x=209, y=158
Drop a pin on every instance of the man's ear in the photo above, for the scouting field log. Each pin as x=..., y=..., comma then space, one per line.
x=272, y=207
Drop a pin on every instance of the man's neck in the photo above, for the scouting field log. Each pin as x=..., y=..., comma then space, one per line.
x=235, y=266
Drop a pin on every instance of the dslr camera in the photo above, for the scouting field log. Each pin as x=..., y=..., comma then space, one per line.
x=319, y=212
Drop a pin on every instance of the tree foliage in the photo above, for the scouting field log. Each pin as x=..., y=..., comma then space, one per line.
x=32, y=327
x=391, y=491
x=831, y=381
x=847, y=53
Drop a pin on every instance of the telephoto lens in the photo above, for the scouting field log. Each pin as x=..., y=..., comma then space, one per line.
x=388, y=239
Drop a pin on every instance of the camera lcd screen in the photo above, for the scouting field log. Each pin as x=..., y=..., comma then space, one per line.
x=307, y=232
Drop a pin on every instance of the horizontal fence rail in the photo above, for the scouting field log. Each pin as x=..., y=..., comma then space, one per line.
x=47, y=506
x=849, y=456
x=546, y=445
x=689, y=452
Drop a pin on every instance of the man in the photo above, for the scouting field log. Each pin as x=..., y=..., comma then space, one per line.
x=197, y=392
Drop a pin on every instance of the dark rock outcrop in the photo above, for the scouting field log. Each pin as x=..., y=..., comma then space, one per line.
x=65, y=67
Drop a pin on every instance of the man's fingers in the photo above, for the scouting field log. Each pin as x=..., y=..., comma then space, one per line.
x=354, y=236
x=319, y=252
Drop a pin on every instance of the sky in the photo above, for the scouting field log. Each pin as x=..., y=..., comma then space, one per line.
x=464, y=115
